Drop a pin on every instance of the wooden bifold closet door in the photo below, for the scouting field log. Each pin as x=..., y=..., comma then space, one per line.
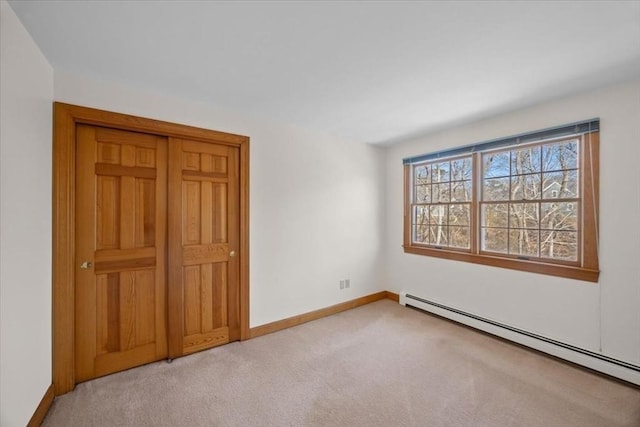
x=130, y=276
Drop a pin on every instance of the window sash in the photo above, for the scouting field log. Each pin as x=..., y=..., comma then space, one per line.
x=539, y=229
x=441, y=230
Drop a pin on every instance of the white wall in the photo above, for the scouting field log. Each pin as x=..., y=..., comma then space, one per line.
x=316, y=203
x=25, y=222
x=563, y=309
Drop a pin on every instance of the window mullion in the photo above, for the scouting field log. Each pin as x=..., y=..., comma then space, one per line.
x=474, y=229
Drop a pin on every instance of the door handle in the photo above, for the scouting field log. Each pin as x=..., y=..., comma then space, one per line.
x=86, y=265
x=232, y=253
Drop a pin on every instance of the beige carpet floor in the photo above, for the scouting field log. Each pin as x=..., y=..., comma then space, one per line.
x=378, y=365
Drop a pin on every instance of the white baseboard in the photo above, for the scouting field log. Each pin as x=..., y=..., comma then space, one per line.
x=614, y=368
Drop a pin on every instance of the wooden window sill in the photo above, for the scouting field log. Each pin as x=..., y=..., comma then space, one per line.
x=570, y=272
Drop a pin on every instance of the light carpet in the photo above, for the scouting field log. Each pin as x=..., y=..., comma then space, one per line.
x=378, y=365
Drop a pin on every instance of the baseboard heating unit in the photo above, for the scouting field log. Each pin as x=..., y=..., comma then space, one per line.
x=596, y=361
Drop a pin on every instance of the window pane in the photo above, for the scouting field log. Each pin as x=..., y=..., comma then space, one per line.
x=494, y=240
x=438, y=235
x=495, y=215
x=440, y=172
x=559, y=216
x=560, y=184
x=526, y=160
x=459, y=214
x=423, y=194
x=439, y=214
x=525, y=187
x=459, y=237
x=421, y=234
x=495, y=189
x=495, y=164
x=422, y=174
x=421, y=215
x=461, y=191
x=435, y=193
x=461, y=169
x=444, y=191
x=523, y=242
x=558, y=156
x=561, y=245
x=523, y=215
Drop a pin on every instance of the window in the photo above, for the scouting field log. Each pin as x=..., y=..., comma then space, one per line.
x=527, y=202
x=442, y=208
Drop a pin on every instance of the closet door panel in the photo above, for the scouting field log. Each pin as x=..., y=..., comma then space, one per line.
x=120, y=226
x=203, y=246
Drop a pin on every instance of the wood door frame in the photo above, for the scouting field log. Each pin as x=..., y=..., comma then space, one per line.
x=65, y=119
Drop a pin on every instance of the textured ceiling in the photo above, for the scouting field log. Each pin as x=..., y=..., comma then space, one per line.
x=376, y=72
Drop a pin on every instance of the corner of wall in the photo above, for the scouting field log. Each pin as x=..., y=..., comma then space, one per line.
x=26, y=90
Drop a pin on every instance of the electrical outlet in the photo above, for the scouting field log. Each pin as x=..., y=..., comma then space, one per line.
x=347, y=283
x=341, y=284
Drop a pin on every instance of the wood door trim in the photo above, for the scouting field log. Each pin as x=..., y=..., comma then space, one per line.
x=66, y=117
x=175, y=311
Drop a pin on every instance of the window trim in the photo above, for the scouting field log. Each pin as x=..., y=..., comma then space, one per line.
x=587, y=266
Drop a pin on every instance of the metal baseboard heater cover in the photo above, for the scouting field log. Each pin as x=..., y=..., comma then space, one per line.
x=608, y=365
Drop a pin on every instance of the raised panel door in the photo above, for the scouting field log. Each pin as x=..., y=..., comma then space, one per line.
x=120, y=290
x=203, y=235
